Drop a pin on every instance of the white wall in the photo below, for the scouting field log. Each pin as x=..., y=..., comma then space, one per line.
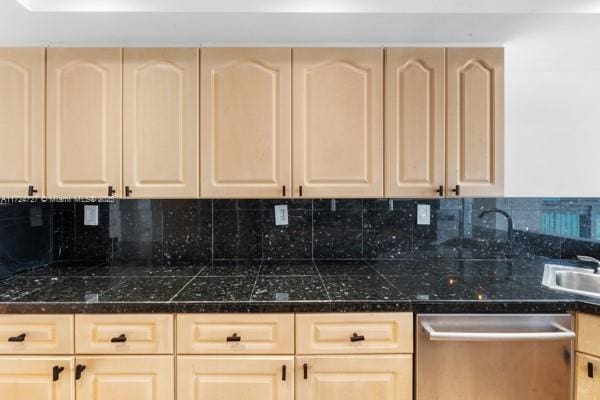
x=553, y=110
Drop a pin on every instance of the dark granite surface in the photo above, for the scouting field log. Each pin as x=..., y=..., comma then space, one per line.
x=292, y=286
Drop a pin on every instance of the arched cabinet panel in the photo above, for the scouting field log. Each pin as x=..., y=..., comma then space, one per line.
x=338, y=122
x=161, y=123
x=246, y=122
x=22, y=103
x=476, y=121
x=84, y=122
x=414, y=122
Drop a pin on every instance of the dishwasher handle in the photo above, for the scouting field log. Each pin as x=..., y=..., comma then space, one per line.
x=560, y=333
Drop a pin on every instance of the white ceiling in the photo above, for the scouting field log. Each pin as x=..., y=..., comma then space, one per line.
x=320, y=6
x=267, y=22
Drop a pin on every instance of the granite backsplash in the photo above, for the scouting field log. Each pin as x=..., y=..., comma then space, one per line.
x=177, y=232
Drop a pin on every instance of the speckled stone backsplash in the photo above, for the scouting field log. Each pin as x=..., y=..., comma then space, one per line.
x=178, y=232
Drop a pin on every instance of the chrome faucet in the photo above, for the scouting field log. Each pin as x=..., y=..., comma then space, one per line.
x=508, y=220
x=591, y=260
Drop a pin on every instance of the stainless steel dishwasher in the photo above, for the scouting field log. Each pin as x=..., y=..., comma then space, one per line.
x=494, y=357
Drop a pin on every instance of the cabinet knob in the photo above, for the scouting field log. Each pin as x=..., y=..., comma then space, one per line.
x=305, y=368
x=456, y=190
x=78, y=371
x=128, y=191
x=300, y=191
x=234, y=338
x=283, y=373
x=590, y=370
x=356, y=338
x=56, y=370
x=283, y=191
x=119, y=339
x=111, y=191
x=440, y=191
x=31, y=191
x=20, y=338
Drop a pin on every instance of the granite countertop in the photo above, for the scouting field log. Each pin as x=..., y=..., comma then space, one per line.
x=292, y=286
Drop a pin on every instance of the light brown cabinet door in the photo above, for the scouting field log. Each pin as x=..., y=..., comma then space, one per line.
x=587, y=386
x=354, y=378
x=235, y=377
x=338, y=122
x=161, y=123
x=84, y=122
x=33, y=378
x=246, y=123
x=415, y=122
x=22, y=106
x=126, y=378
x=475, y=129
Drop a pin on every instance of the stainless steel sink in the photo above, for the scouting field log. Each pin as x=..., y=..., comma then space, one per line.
x=572, y=279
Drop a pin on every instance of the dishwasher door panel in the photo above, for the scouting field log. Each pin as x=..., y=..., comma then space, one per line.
x=463, y=360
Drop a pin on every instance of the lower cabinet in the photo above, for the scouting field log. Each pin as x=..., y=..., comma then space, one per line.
x=375, y=377
x=587, y=372
x=32, y=378
x=235, y=377
x=124, y=378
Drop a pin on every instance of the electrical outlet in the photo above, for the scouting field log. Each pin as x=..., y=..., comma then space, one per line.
x=90, y=215
x=423, y=214
x=281, y=215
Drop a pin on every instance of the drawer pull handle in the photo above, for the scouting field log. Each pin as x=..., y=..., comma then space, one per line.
x=357, y=338
x=78, y=371
x=305, y=367
x=56, y=370
x=590, y=368
x=20, y=338
x=234, y=338
x=119, y=339
x=283, y=373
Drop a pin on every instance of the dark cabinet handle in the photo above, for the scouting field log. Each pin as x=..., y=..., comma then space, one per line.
x=283, y=373
x=305, y=367
x=119, y=339
x=440, y=191
x=300, y=191
x=111, y=191
x=31, y=191
x=56, y=370
x=128, y=191
x=590, y=368
x=283, y=191
x=78, y=371
x=357, y=338
x=20, y=338
x=234, y=338
x=456, y=190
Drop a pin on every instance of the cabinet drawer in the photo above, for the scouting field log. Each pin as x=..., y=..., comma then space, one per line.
x=380, y=333
x=124, y=334
x=36, y=334
x=235, y=334
x=587, y=377
x=588, y=334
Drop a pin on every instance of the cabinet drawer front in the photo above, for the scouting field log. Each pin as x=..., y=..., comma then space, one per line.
x=36, y=334
x=354, y=333
x=124, y=334
x=588, y=334
x=235, y=334
x=587, y=377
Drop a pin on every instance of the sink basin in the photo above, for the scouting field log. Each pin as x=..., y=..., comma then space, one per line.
x=571, y=279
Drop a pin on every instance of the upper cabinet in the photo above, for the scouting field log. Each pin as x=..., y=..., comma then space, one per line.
x=414, y=122
x=338, y=122
x=84, y=122
x=246, y=123
x=160, y=123
x=22, y=87
x=475, y=122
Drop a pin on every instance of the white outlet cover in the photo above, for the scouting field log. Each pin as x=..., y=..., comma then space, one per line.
x=90, y=215
x=281, y=214
x=423, y=214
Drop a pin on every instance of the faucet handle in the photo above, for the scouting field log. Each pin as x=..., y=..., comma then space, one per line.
x=588, y=259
